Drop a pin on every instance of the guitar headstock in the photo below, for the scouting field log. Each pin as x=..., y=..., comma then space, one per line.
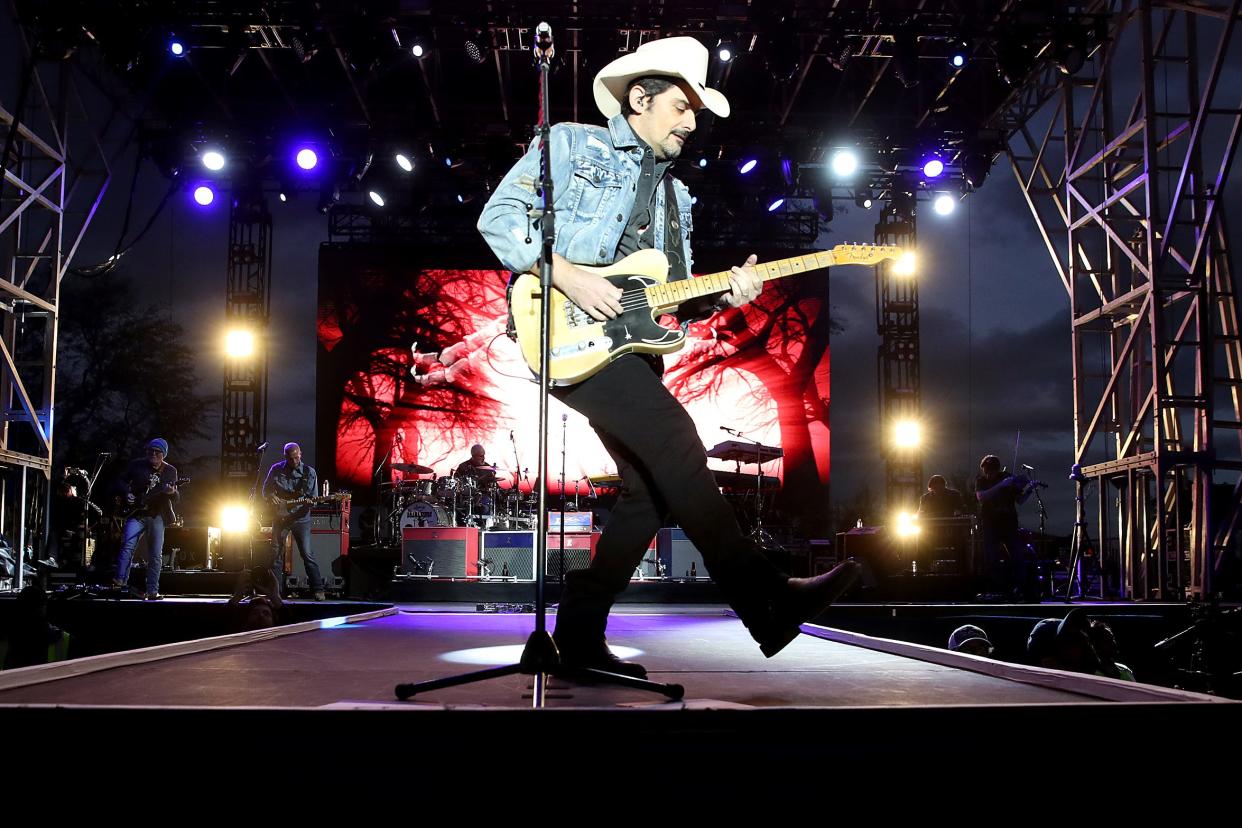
x=864, y=254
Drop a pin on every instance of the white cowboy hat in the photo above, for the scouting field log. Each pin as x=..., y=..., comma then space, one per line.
x=677, y=57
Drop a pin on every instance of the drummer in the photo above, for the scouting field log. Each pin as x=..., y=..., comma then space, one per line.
x=477, y=467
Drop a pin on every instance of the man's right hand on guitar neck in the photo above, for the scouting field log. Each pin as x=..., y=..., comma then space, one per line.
x=594, y=294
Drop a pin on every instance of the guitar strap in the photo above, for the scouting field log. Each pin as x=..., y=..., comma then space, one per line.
x=673, y=248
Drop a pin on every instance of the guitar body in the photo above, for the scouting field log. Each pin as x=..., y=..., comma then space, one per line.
x=580, y=345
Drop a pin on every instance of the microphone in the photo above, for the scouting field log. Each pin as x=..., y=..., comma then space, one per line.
x=1076, y=474
x=544, y=50
x=261, y=447
x=564, y=417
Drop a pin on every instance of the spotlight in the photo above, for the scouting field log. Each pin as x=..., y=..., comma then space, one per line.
x=235, y=518
x=844, y=163
x=417, y=50
x=725, y=51
x=747, y=165
x=863, y=200
x=906, y=525
x=776, y=203
x=959, y=52
x=329, y=194
x=283, y=197
x=932, y=167
x=213, y=160
x=906, y=264
x=376, y=197
x=204, y=195
x=906, y=59
x=461, y=199
x=307, y=158
x=176, y=48
x=944, y=204
x=448, y=162
x=404, y=162
x=975, y=168
x=703, y=163
x=475, y=46
x=907, y=434
x=239, y=343
x=822, y=201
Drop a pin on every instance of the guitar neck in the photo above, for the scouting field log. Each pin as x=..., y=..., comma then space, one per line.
x=672, y=294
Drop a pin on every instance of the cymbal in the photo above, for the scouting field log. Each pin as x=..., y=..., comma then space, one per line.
x=606, y=479
x=412, y=468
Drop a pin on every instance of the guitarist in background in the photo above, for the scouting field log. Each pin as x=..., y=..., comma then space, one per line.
x=291, y=479
x=149, y=487
x=615, y=195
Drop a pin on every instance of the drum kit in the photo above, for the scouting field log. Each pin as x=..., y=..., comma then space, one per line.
x=479, y=500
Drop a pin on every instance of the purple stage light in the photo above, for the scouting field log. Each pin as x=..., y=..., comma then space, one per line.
x=932, y=167
x=307, y=159
x=747, y=165
x=204, y=195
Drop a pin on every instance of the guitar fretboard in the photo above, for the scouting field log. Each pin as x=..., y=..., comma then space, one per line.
x=671, y=294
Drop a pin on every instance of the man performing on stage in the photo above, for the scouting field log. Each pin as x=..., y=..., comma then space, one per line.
x=291, y=479
x=614, y=195
x=477, y=466
x=148, y=490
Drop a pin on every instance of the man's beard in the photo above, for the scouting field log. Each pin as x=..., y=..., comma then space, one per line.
x=671, y=148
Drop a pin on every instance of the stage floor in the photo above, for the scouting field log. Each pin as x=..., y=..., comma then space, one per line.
x=709, y=652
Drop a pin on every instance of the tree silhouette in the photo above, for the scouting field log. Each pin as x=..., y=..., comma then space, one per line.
x=779, y=343
x=125, y=374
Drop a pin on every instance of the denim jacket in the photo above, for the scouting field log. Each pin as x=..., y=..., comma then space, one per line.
x=595, y=172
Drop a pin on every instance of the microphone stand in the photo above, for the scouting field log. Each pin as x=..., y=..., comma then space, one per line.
x=1081, y=539
x=758, y=533
x=379, y=495
x=560, y=558
x=540, y=658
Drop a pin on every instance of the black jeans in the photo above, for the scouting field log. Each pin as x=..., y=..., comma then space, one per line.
x=664, y=473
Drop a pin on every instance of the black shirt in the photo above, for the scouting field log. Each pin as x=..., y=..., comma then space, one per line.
x=1001, y=506
x=144, y=483
x=941, y=504
x=639, y=233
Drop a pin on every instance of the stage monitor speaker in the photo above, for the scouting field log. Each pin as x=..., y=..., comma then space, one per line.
x=681, y=558
x=329, y=541
x=651, y=566
x=440, y=551
x=192, y=547
x=579, y=550
x=509, y=554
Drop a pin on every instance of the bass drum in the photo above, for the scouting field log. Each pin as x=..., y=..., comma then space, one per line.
x=423, y=513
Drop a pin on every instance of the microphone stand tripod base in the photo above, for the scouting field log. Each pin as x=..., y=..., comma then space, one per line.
x=541, y=659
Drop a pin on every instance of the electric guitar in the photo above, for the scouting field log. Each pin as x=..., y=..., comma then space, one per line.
x=582, y=346
x=154, y=488
x=284, y=508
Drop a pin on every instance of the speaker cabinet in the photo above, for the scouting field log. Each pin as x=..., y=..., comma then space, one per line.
x=509, y=554
x=682, y=560
x=579, y=550
x=329, y=541
x=440, y=551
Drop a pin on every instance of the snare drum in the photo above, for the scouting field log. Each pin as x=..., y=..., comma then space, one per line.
x=422, y=513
